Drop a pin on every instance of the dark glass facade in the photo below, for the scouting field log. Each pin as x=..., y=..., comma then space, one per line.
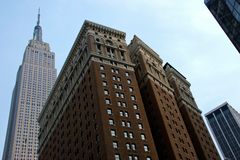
x=227, y=13
x=224, y=123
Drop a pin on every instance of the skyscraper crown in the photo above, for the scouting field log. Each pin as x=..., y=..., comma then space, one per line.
x=37, y=34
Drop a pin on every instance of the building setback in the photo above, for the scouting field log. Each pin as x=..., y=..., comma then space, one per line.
x=34, y=81
x=227, y=14
x=224, y=122
x=95, y=110
x=191, y=114
x=168, y=129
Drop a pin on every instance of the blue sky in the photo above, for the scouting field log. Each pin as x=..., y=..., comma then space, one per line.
x=183, y=33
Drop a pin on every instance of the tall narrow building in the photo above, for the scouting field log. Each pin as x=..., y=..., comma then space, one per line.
x=95, y=110
x=35, y=78
x=224, y=122
x=167, y=126
x=191, y=114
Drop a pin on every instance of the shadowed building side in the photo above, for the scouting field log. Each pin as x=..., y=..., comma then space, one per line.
x=191, y=114
x=168, y=129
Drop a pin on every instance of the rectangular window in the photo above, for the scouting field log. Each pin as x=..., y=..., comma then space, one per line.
x=130, y=89
x=133, y=147
x=129, y=81
x=101, y=67
x=133, y=98
x=145, y=147
x=128, y=146
x=109, y=111
x=126, y=74
x=115, y=145
x=140, y=126
x=107, y=101
x=137, y=115
x=125, y=134
x=103, y=75
x=131, y=135
x=120, y=87
x=106, y=92
x=135, y=106
x=113, y=132
x=117, y=157
x=143, y=136
x=104, y=83
x=111, y=122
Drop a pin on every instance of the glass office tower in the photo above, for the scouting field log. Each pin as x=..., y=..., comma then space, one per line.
x=227, y=13
x=224, y=122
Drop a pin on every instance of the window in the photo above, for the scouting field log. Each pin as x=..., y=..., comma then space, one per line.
x=122, y=95
x=126, y=74
x=130, y=89
x=128, y=124
x=125, y=134
x=114, y=78
x=117, y=94
x=130, y=157
x=148, y=158
x=109, y=111
x=117, y=157
x=103, y=75
x=113, y=132
x=124, y=104
x=106, y=92
x=107, y=101
x=118, y=79
x=126, y=114
x=133, y=98
x=121, y=113
x=111, y=121
x=120, y=87
x=140, y=126
x=119, y=103
x=135, y=157
x=128, y=146
x=115, y=145
x=143, y=136
x=133, y=147
x=145, y=147
x=101, y=67
x=115, y=86
x=131, y=135
x=129, y=81
x=123, y=123
x=135, y=106
x=104, y=83
x=137, y=115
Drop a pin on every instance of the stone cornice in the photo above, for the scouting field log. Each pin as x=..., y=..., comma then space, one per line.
x=144, y=46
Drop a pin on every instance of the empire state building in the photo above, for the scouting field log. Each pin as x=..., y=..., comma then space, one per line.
x=35, y=79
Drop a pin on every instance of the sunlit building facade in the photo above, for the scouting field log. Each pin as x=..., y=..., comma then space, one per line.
x=35, y=78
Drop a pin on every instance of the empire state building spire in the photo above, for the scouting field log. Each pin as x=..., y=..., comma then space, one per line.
x=37, y=34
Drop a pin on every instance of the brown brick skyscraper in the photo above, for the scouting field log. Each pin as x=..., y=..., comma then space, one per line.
x=95, y=110
x=191, y=114
x=168, y=129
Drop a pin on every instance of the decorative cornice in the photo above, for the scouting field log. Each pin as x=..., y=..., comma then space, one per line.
x=139, y=42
